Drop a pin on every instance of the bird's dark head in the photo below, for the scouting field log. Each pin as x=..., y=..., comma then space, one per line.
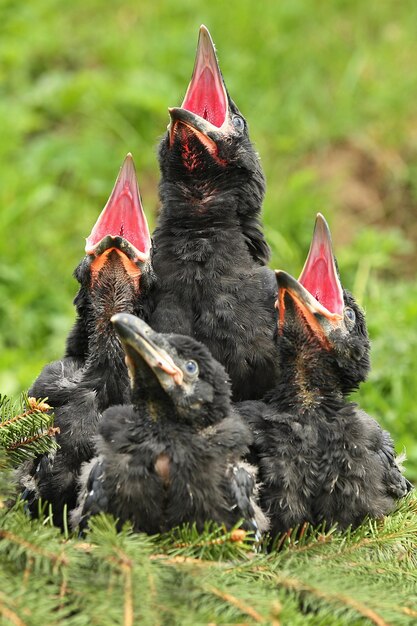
x=120, y=243
x=321, y=321
x=121, y=227
x=117, y=266
x=207, y=140
x=176, y=367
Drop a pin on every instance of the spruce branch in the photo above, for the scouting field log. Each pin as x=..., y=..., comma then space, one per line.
x=111, y=578
x=293, y=584
x=236, y=535
x=128, y=599
x=31, y=548
x=188, y=560
x=9, y=614
x=26, y=428
x=242, y=606
x=215, y=542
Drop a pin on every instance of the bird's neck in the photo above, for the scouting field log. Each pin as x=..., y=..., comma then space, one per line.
x=202, y=234
x=105, y=363
x=149, y=400
x=104, y=347
x=112, y=291
x=195, y=202
x=308, y=384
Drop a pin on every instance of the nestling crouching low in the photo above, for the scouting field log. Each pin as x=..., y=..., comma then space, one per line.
x=175, y=454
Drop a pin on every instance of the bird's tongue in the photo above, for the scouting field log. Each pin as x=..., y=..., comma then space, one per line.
x=123, y=215
x=206, y=95
x=319, y=275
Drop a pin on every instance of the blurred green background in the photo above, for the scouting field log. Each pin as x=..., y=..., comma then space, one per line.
x=330, y=93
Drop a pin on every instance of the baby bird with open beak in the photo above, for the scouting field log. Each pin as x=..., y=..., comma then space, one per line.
x=321, y=457
x=114, y=276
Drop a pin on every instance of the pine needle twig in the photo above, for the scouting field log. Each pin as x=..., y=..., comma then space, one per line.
x=239, y=604
x=36, y=406
x=237, y=535
x=10, y=615
x=128, y=598
x=189, y=560
x=26, y=441
x=26, y=428
x=293, y=584
x=57, y=559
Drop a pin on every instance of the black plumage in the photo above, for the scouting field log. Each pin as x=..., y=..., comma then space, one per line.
x=321, y=457
x=113, y=277
x=208, y=250
x=175, y=454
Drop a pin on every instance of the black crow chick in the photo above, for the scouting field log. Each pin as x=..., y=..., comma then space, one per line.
x=175, y=454
x=321, y=457
x=114, y=276
x=208, y=247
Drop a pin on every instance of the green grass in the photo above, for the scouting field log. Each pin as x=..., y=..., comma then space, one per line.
x=82, y=83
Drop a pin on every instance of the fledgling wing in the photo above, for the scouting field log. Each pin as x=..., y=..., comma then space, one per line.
x=244, y=494
x=233, y=437
x=92, y=497
x=380, y=442
x=54, y=477
x=362, y=477
x=115, y=439
x=55, y=377
x=49, y=384
x=397, y=485
x=28, y=477
x=252, y=412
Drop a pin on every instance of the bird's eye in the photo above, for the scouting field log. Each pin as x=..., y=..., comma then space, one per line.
x=350, y=314
x=191, y=368
x=238, y=122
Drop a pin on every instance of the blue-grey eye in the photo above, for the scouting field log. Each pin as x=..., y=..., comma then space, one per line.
x=238, y=122
x=350, y=314
x=191, y=368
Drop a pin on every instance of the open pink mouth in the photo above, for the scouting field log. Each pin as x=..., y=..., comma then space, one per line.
x=206, y=95
x=319, y=275
x=123, y=215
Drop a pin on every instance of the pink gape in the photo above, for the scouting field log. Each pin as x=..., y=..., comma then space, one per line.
x=206, y=94
x=123, y=215
x=319, y=275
